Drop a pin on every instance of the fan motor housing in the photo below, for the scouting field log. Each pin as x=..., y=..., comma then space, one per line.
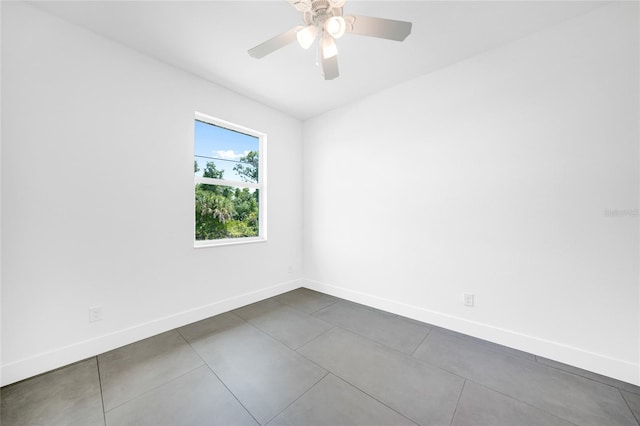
x=320, y=12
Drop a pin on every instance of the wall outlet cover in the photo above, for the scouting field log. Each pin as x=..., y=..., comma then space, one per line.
x=469, y=299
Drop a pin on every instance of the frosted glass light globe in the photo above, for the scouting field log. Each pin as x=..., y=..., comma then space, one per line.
x=335, y=26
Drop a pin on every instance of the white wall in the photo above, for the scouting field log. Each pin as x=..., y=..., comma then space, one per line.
x=97, y=197
x=492, y=176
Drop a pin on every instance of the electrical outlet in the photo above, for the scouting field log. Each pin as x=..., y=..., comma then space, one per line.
x=290, y=269
x=95, y=314
x=469, y=299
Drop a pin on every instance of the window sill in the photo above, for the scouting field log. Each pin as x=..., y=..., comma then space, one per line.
x=228, y=242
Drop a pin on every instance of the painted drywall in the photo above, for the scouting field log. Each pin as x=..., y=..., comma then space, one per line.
x=97, y=197
x=512, y=175
x=493, y=176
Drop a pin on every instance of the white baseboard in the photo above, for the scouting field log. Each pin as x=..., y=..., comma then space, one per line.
x=598, y=363
x=59, y=357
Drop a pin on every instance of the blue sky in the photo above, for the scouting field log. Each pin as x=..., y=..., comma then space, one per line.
x=222, y=146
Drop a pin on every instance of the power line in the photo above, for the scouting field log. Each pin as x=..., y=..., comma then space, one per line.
x=221, y=159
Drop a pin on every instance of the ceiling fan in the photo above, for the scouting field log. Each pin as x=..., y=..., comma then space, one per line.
x=324, y=20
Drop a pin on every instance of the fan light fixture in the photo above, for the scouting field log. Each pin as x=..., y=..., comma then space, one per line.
x=324, y=19
x=306, y=36
x=335, y=26
x=329, y=48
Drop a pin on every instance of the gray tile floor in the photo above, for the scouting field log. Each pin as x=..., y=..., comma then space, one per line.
x=305, y=358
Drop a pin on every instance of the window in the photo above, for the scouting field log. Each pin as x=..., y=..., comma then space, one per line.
x=230, y=190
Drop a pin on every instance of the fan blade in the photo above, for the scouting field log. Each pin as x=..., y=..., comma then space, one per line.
x=378, y=27
x=301, y=5
x=275, y=43
x=330, y=67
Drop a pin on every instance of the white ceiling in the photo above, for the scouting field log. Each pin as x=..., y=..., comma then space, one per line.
x=211, y=38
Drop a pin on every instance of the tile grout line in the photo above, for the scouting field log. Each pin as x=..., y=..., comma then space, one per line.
x=316, y=337
x=285, y=306
x=583, y=377
x=424, y=362
x=485, y=386
x=218, y=377
x=231, y=393
x=321, y=309
x=522, y=402
x=458, y=402
x=494, y=390
x=534, y=361
x=629, y=406
x=486, y=344
x=385, y=347
x=421, y=342
x=309, y=342
x=335, y=374
x=375, y=342
x=537, y=358
x=429, y=327
x=300, y=396
x=372, y=397
x=333, y=326
x=5, y=387
x=389, y=348
x=168, y=381
x=104, y=412
x=269, y=336
x=154, y=388
x=370, y=309
x=300, y=310
x=280, y=342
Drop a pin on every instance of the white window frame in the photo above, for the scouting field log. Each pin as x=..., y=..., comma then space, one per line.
x=261, y=185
